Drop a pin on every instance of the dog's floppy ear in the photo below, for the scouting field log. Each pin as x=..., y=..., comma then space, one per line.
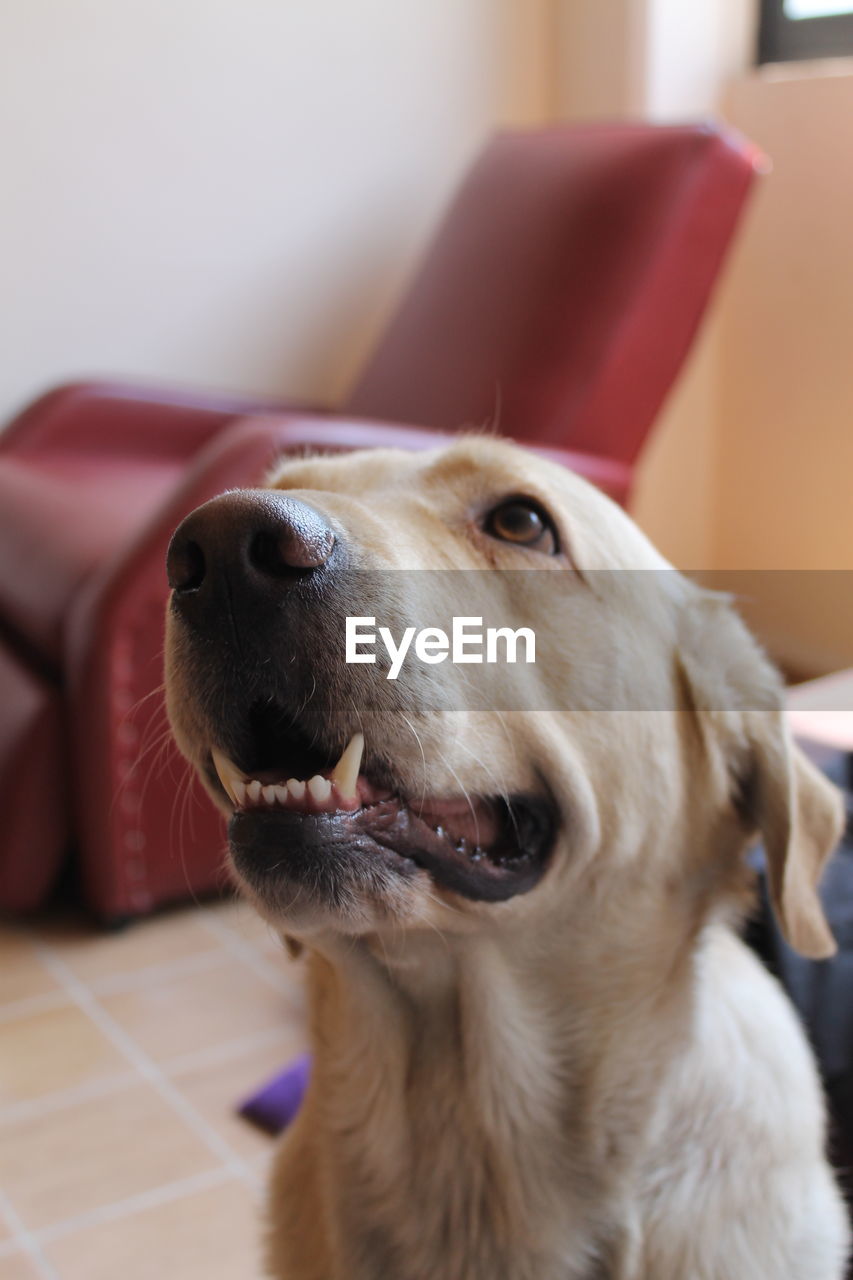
x=800, y=817
x=737, y=696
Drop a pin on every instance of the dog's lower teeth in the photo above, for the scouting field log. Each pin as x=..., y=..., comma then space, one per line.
x=320, y=788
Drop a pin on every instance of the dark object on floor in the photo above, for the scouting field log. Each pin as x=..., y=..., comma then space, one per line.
x=274, y=1106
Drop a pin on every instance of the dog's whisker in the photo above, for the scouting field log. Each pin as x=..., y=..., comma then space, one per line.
x=185, y=792
x=418, y=740
x=496, y=785
x=159, y=747
x=464, y=791
x=511, y=740
x=158, y=691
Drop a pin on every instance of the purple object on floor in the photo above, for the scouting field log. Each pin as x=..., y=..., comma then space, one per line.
x=273, y=1107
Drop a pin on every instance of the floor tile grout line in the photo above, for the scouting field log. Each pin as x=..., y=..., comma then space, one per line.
x=88, y=1002
x=220, y=1054
x=137, y=979
x=116, y=984
x=25, y=1240
x=250, y=955
x=242, y=907
x=32, y=1006
x=57, y=1100
x=62, y=1099
x=166, y=1193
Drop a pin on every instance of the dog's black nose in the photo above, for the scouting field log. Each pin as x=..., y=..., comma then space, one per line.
x=258, y=539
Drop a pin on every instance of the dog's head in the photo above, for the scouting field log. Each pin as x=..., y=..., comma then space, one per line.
x=631, y=761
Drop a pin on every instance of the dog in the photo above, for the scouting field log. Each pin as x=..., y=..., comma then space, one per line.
x=540, y=1049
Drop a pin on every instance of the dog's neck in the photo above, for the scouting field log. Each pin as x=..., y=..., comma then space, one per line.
x=454, y=1074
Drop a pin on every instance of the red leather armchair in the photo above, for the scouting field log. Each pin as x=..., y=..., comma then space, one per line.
x=557, y=302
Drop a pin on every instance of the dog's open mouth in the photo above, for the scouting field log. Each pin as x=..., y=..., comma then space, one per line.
x=296, y=823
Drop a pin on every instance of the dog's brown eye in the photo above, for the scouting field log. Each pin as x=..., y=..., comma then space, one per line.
x=523, y=523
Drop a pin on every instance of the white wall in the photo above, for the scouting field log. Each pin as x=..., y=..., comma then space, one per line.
x=229, y=192
x=785, y=474
x=691, y=50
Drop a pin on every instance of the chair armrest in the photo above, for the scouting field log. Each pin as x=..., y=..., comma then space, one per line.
x=124, y=420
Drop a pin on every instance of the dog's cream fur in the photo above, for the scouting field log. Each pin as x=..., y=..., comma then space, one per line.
x=594, y=1080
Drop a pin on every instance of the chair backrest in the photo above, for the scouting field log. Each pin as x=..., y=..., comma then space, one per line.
x=563, y=289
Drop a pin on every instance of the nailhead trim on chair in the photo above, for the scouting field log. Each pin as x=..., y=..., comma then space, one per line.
x=128, y=798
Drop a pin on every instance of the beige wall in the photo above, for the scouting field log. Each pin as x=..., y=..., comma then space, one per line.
x=229, y=192
x=751, y=464
x=785, y=422
x=651, y=59
x=600, y=47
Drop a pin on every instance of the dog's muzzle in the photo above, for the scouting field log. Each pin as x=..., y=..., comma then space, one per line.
x=299, y=742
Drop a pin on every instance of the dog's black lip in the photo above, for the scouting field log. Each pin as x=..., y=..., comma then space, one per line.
x=269, y=845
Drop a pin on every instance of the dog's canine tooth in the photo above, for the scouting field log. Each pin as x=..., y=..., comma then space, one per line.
x=229, y=775
x=239, y=793
x=296, y=788
x=253, y=791
x=320, y=788
x=345, y=772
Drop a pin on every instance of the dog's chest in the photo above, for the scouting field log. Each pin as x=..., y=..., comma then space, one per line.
x=478, y=1196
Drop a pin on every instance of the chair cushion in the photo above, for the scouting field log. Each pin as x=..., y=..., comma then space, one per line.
x=33, y=793
x=61, y=516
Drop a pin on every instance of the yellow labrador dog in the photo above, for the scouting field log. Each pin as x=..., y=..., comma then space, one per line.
x=541, y=1051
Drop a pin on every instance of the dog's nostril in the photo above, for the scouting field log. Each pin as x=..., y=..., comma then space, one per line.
x=300, y=544
x=266, y=554
x=185, y=566
x=258, y=541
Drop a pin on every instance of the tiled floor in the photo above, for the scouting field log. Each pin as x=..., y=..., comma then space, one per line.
x=121, y=1059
